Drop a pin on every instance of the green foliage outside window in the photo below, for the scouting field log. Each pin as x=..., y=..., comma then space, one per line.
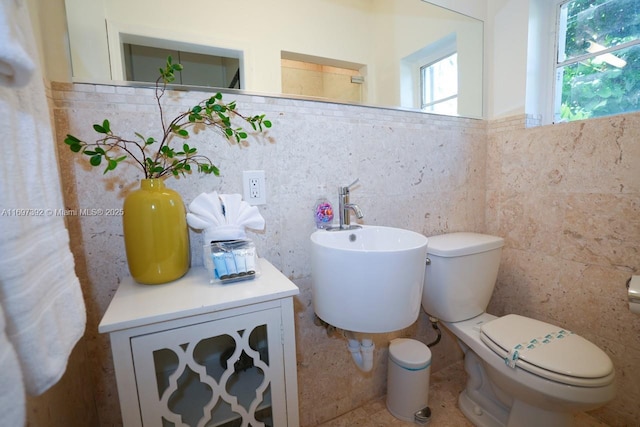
x=591, y=86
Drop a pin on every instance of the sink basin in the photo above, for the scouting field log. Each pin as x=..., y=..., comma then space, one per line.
x=369, y=279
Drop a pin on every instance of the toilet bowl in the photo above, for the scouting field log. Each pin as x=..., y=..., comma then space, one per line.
x=521, y=372
x=527, y=394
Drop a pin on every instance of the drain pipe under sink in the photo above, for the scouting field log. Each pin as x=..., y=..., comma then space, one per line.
x=361, y=351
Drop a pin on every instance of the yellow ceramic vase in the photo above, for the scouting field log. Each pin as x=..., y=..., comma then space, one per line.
x=155, y=233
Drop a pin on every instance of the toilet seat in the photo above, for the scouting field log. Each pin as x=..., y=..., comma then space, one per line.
x=547, y=351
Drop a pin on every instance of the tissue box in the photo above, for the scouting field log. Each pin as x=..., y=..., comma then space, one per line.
x=231, y=260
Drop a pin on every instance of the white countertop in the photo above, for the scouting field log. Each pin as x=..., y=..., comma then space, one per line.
x=136, y=305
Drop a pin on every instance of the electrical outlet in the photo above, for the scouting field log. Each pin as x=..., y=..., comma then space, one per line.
x=254, y=187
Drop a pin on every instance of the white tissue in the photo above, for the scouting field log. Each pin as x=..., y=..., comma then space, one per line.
x=634, y=294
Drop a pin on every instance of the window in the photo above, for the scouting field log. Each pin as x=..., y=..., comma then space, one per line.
x=439, y=85
x=429, y=78
x=598, y=58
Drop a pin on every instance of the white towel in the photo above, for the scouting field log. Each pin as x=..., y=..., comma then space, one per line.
x=206, y=211
x=39, y=291
x=223, y=216
x=12, y=399
x=16, y=67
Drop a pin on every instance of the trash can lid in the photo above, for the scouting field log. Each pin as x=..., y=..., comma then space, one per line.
x=410, y=354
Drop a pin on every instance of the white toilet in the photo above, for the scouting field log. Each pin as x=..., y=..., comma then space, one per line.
x=521, y=372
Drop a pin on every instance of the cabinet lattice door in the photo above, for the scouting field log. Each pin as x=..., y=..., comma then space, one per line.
x=218, y=373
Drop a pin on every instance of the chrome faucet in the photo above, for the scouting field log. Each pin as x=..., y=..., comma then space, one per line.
x=345, y=206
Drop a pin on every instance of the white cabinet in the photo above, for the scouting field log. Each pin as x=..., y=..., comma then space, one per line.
x=191, y=353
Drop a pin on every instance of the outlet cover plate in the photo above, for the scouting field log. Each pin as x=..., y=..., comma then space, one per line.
x=254, y=188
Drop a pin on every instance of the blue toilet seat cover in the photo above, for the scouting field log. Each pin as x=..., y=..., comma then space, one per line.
x=545, y=346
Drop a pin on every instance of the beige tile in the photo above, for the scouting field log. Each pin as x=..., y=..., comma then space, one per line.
x=602, y=229
x=445, y=386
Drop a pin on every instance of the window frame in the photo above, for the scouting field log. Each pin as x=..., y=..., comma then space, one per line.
x=556, y=64
x=410, y=85
x=423, y=104
x=556, y=89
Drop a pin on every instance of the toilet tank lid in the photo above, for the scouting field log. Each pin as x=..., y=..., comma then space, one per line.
x=462, y=243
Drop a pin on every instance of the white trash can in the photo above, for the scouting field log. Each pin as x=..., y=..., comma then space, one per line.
x=408, y=380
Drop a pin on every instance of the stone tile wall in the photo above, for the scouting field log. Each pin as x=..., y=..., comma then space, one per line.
x=424, y=173
x=566, y=198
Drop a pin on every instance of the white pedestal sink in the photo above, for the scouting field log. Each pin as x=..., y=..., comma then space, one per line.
x=369, y=279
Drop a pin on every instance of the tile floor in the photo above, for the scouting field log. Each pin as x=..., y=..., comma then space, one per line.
x=444, y=387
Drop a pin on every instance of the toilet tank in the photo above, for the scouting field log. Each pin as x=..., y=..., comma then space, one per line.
x=460, y=278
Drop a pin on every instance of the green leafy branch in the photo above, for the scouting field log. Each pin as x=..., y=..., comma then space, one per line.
x=158, y=158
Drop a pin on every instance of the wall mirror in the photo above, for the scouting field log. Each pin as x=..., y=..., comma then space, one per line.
x=406, y=54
